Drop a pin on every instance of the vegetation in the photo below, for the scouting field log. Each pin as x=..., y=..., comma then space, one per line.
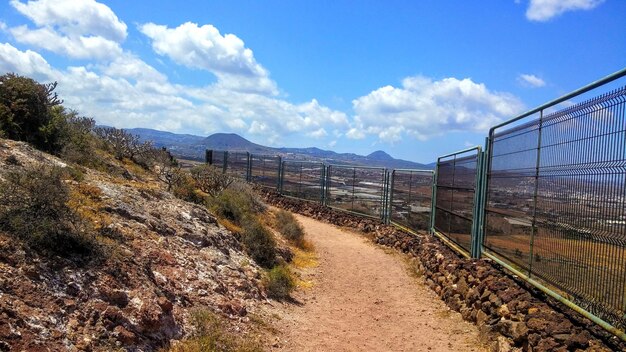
x=211, y=335
x=33, y=208
x=289, y=227
x=26, y=112
x=279, y=282
x=259, y=243
x=211, y=180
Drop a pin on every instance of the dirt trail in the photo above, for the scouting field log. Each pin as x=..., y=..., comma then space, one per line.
x=363, y=299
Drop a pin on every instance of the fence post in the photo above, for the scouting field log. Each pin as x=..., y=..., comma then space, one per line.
x=433, y=207
x=208, y=156
x=392, y=181
x=482, y=214
x=384, y=194
x=475, y=240
x=534, y=221
x=248, y=167
x=279, y=172
x=225, y=163
x=327, y=177
x=323, y=184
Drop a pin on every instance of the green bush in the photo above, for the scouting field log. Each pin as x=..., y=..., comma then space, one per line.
x=33, y=208
x=235, y=204
x=26, y=112
x=289, y=227
x=279, y=282
x=259, y=243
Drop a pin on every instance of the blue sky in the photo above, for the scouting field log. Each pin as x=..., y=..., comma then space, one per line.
x=414, y=78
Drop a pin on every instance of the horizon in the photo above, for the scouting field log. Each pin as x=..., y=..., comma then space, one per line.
x=413, y=80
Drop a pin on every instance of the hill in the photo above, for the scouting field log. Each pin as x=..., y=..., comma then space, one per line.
x=192, y=147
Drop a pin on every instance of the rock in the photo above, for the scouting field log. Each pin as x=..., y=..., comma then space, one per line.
x=481, y=317
x=504, y=312
x=124, y=336
x=503, y=344
x=165, y=304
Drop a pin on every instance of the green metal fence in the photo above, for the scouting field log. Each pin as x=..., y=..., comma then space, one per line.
x=555, y=201
x=303, y=179
x=456, y=198
x=238, y=164
x=358, y=189
x=265, y=170
x=410, y=198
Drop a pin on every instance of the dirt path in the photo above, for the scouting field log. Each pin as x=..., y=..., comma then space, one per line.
x=363, y=299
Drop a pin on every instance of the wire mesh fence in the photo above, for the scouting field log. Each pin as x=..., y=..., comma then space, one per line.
x=356, y=188
x=303, y=179
x=237, y=164
x=265, y=170
x=411, y=198
x=556, y=201
x=454, y=196
x=216, y=158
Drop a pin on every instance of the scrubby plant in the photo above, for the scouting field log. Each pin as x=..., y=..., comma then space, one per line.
x=124, y=144
x=236, y=204
x=26, y=112
x=259, y=243
x=289, y=228
x=279, y=282
x=33, y=208
x=211, y=335
x=211, y=180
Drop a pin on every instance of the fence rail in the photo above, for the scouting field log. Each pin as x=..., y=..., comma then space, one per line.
x=546, y=198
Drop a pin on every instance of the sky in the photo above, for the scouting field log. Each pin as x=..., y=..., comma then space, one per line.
x=416, y=79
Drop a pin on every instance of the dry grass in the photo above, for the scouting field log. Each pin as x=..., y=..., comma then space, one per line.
x=211, y=334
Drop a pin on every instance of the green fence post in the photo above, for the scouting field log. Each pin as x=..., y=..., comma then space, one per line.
x=248, y=167
x=433, y=207
x=475, y=240
x=279, y=171
x=392, y=181
x=225, y=163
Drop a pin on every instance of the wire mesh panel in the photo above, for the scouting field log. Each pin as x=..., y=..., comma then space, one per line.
x=357, y=189
x=556, y=201
x=454, y=194
x=411, y=198
x=303, y=179
x=265, y=170
x=216, y=158
x=237, y=164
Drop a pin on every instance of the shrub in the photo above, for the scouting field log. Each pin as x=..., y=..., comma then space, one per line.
x=123, y=144
x=279, y=282
x=211, y=335
x=259, y=243
x=235, y=204
x=211, y=180
x=289, y=227
x=33, y=207
x=26, y=112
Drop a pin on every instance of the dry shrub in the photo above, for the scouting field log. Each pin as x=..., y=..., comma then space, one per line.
x=289, y=227
x=34, y=208
x=279, y=282
x=259, y=243
x=211, y=335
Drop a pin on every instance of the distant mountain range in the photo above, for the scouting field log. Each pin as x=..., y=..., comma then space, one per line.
x=192, y=147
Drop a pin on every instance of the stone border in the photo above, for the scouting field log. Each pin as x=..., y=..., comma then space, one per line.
x=514, y=315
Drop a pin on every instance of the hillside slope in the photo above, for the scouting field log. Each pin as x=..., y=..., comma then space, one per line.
x=162, y=257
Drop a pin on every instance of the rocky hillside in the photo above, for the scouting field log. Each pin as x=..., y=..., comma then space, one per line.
x=160, y=257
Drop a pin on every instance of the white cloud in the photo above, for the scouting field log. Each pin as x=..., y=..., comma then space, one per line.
x=203, y=47
x=26, y=62
x=531, y=80
x=77, y=29
x=543, y=10
x=320, y=133
x=423, y=108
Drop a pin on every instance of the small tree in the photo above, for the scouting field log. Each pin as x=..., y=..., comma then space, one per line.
x=211, y=180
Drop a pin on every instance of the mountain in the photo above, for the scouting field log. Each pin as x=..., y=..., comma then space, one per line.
x=192, y=147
